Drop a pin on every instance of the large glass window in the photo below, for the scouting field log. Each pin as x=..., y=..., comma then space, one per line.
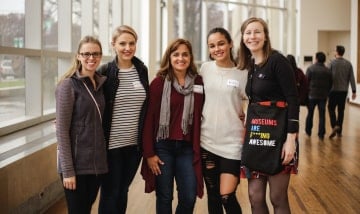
x=12, y=88
x=50, y=27
x=96, y=17
x=49, y=64
x=32, y=58
x=76, y=23
x=12, y=67
x=187, y=23
x=29, y=72
x=49, y=81
x=193, y=19
x=12, y=23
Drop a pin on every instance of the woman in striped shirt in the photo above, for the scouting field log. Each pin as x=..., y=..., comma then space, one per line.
x=126, y=95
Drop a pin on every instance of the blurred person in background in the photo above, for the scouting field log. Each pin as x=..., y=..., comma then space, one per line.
x=343, y=75
x=320, y=82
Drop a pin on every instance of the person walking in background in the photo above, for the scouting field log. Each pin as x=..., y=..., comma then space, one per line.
x=301, y=81
x=222, y=127
x=171, y=147
x=81, y=146
x=126, y=93
x=320, y=82
x=343, y=74
x=270, y=80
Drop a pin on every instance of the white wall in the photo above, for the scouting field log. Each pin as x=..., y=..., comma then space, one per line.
x=354, y=43
x=327, y=41
x=323, y=23
x=321, y=15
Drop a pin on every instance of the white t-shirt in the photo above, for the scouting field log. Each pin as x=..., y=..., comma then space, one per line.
x=222, y=130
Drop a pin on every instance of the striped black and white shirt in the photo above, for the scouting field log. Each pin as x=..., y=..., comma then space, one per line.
x=129, y=99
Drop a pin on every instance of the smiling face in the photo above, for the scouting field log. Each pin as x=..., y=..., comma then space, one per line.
x=219, y=47
x=180, y=59
x=254, y=37
x=90, y=56
x=125, y=47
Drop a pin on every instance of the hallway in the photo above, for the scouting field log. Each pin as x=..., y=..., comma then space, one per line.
x=328, y=179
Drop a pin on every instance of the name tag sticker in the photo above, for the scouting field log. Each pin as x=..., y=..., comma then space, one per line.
x=233, y=83
x=137, y=84
x=198, y=89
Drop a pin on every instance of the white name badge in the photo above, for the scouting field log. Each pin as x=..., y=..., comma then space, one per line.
x=137, y=84
x=233, y=83
x=198, y=89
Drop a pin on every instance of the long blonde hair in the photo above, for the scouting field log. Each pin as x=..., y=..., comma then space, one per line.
x=76, y=64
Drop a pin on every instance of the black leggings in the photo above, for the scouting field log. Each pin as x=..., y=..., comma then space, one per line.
x=212, y=167
x=80, y=200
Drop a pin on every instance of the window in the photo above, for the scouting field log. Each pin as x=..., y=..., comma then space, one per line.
x=194, y=19
x=12, y=23
x=50, y=27
x=12, y=67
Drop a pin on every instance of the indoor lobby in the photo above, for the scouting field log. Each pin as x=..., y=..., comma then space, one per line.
x=39, y=39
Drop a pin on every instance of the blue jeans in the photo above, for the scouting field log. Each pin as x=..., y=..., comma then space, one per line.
x=321, y=103
x=177, y=157
x=123, y=164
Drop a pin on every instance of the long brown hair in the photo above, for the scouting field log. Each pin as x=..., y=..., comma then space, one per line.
x=76, y=64
x=244, y=53
x=165, y=65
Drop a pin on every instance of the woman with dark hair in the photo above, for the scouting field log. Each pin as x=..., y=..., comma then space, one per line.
x=222, y=127
x=171, y=148
x=270, y=80
x=301, y=81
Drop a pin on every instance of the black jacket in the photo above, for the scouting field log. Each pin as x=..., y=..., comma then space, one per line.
x=320, y=81
x=111, y=71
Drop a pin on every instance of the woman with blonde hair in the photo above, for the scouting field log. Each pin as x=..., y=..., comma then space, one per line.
x=126, y=94
x=81, y=146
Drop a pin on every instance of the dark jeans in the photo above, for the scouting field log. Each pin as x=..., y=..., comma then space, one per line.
x=123, y=164
x=80, y=200
x=321, y=103
x=337, y=99
x=178, y=158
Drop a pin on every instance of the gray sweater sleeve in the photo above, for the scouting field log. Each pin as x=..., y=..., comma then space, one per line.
x=352, y=80
x=65, y=98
